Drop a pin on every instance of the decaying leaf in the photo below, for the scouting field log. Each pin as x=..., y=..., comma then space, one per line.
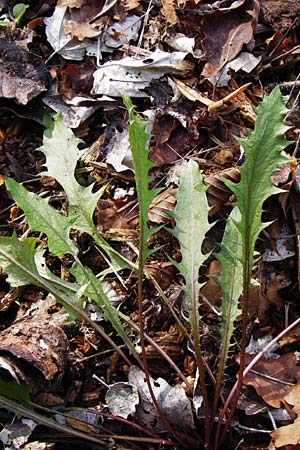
x=289, y=435
x=218, y=194
x=169, y=11
x=225, y=34
x=283, y=248
x=171, y=399
x=130, y=76
x=59, y=40
x=161, y=206
x=71, y=3
x=23, y=74
x=245, y=61
x=130, y=4
x=121, y=399
x=88, y=421
x=15, y=435
x=118, y=151
x=274, y=379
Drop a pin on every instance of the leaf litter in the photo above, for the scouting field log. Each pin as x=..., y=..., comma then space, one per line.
x=186, y=66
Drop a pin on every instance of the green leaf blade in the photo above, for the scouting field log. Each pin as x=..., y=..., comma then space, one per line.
x=17, y=259
x=231, y=284
x=43, y=218
x=138, y=139
x=191, y=216
x=60, y=146
x=263, y=149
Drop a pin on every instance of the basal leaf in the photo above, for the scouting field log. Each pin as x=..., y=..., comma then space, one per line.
x=17, y=259
x=231, y=283
x=67, y=289
x=94, y=291
x=43, y=218
x=60, y=146
x=191, y=215
x=138, y=139
x=231, y=278
x=263, y=149
x=21, y=261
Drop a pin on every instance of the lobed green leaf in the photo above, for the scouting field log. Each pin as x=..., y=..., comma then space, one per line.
x=138, y=139
x=263, y=149
x=60, y=146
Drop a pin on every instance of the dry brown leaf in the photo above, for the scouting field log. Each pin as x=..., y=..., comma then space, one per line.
x=273, y=379
x=129, y=5
x=71, y=3
x=80, y=31
x=163, y=272
x=289, y=434
x=225, y=35
x=162, y=204
x=217, y=193
x=169, y=12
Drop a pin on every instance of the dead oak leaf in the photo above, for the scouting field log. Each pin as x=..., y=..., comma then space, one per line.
x=169, y=12
x=273, y=379
x=289, y=434
x=129, y=5
x=71, y=3
x=80, y=31
x=225, y=35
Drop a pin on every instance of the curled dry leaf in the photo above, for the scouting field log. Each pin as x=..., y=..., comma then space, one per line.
x=273, y=379
x=289, y=435
x=162, y=204
x=217, y=193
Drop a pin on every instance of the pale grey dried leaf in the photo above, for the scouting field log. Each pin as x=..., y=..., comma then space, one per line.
x=284, y=246
x=89, y=419
x=122, y=399
x=181, y=43
x=171, y=399
x=245, y=61
x=120, y=33
x=23, y=75
x=129, y=76
x=61, y=42
x=119, y=153
x=16, y=434
x=73, y=115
